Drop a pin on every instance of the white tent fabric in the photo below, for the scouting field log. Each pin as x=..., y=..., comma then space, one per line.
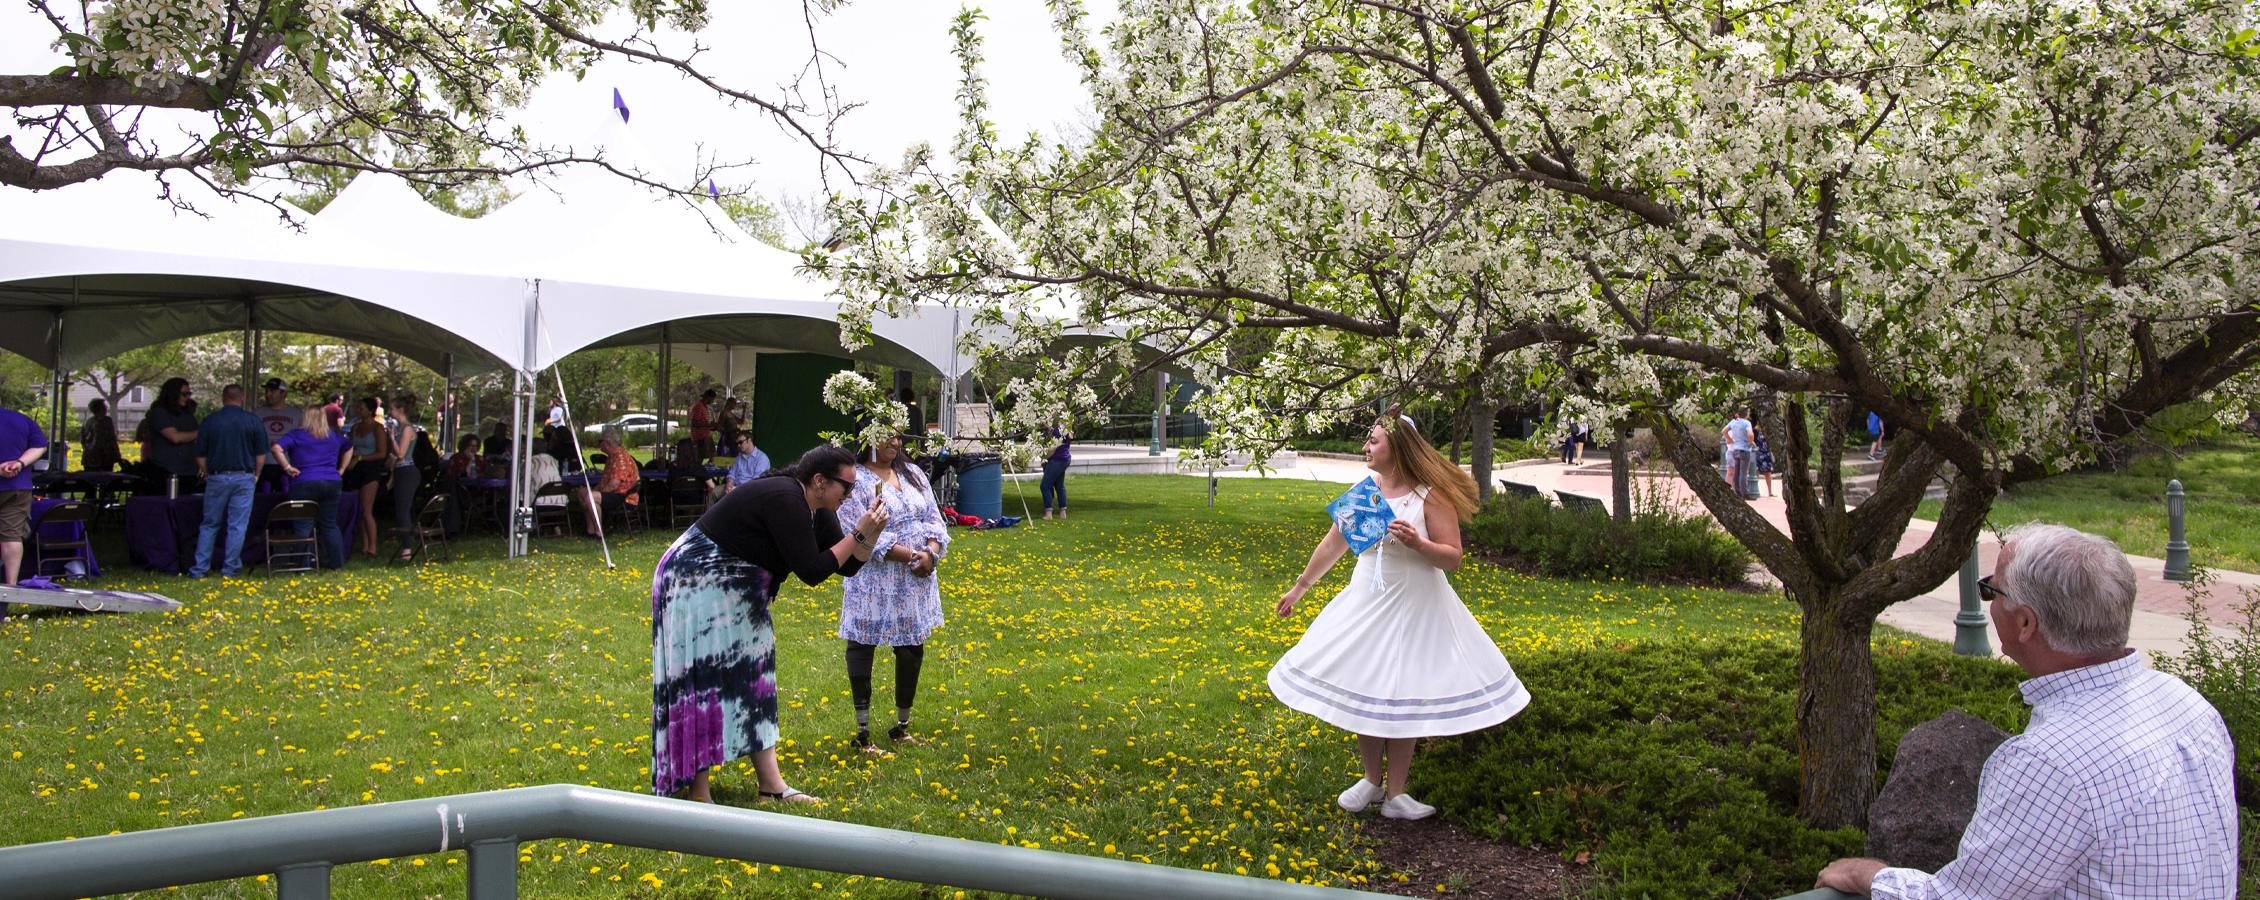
x=95, y=271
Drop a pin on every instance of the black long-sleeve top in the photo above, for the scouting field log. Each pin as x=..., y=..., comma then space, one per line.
x=767, y=522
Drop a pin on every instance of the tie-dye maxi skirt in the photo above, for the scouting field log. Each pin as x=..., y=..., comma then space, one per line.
x=713, y=661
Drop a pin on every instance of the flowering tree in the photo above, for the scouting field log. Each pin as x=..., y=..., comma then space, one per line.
x=2015, y=229
x=220, y=89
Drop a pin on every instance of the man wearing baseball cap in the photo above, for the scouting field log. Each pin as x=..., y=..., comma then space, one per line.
x=280, y=417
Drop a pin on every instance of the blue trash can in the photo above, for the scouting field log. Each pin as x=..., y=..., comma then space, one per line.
x=980, y=485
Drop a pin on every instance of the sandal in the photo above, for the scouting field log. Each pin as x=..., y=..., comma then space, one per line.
x=789, y=795
x=863, y=745
x=900, y=734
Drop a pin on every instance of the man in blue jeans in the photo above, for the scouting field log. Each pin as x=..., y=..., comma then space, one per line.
x=231, y=446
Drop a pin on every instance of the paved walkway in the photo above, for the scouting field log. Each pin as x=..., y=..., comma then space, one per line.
x=2161, y=607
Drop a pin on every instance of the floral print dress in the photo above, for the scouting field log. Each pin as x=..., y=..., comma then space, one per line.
x=885, y=604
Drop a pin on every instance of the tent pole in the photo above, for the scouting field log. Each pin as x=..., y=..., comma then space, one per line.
x=250, y=344
x=949, y=384
x=729, y=372
x=59, y=397
x=447, y=405
x=522, y=426
x=666, y=370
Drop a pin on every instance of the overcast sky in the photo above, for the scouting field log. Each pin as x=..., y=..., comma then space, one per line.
x=893, y=56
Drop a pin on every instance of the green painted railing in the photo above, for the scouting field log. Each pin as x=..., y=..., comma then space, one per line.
x=1822, y=894
x=300, y=848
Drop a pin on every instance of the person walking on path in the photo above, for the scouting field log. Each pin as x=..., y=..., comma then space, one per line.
x=1875, y=427
x=1762, y=455
x=1396, y=656
x=713, y=652
x=22, y=443
x=1052, y=488
x=895, y=601
x=315, y=458
x=231, y=445
x=1741, y=453
x=2123, y=782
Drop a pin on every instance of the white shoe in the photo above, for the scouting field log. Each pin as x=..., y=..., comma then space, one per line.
x=1359, y=796
x=1403, y=806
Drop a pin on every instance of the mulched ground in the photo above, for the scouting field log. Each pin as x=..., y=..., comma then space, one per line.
x=1433, y=852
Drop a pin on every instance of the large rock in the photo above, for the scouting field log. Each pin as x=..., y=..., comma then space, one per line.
x=1917, y=821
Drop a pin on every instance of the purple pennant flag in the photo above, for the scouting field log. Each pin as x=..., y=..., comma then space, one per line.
x=619, y=104
x=710, y=190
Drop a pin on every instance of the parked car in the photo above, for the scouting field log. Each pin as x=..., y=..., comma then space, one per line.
x=633, y=423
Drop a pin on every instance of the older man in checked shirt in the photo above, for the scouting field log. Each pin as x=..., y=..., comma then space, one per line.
x=2121, y=784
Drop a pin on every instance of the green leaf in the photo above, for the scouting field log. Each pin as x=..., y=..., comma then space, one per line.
x=297, y=38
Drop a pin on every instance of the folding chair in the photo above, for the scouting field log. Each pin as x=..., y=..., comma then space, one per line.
x=287, y=550
x=428, y=536
x=558, y=516
x=61, y=551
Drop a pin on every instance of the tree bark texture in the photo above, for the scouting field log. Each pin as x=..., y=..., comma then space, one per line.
x=1620, y=473
x=1836, y=708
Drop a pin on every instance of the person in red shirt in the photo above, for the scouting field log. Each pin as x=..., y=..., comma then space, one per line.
x=702, y=424
x=617, y=489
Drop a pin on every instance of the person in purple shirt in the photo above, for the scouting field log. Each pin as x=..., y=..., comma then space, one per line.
x=1053, y=487
x=313, y=457
x=21, y=444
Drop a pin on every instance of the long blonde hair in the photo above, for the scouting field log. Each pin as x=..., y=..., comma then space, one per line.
x=316, y=422
x=1417, y=460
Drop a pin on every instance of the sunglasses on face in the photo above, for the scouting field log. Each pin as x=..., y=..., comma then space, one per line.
x=844, y=484
x=1987, y=591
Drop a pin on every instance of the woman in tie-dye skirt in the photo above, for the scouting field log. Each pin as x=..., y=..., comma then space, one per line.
x=713, y=653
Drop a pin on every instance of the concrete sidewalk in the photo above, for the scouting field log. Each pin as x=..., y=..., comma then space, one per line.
x=2160, y=623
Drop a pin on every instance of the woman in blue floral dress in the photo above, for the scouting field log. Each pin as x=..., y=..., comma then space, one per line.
x=894, y=601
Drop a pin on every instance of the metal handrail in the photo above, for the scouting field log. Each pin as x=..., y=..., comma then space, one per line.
x=300, y=848
x=1822, y=893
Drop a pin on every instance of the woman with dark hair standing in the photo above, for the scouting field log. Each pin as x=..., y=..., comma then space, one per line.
x=713, y=653
x=372, y=445
x=172, y=424
x=406, y=478
x=895, y=601
x=1052, y=489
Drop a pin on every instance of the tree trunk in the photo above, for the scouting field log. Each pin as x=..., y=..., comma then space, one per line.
x=1836, y=715
x=1620, y=474
x=1484, y=420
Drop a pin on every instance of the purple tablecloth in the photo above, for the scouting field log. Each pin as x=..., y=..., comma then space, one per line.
x=161, y=531
x=61, y=531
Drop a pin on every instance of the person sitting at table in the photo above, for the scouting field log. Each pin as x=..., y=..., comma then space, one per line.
x=98, y=438
x=617, y=489
x=750, y=462
x=171, y=445
x=372, y=450
x=314, y=457
x=465, y=462
x=688, y=468
x=543, y=469
x=498, y=441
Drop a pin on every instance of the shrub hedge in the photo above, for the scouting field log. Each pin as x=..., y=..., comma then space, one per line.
x=1673, y=764
x=1656, y=544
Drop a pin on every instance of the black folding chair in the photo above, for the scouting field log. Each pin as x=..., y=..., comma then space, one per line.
x=287, y=549
x=59, y=552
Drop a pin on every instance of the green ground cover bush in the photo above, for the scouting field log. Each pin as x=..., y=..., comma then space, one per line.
x=2221, y=477
x=1657, y=544
x=1673, y=763
x=1098, y=689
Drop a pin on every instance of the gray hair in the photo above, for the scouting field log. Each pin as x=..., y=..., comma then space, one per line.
x=2079, y=586
x=613, y=435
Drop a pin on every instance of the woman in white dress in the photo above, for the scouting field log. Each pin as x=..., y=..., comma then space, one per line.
x=1396, y=656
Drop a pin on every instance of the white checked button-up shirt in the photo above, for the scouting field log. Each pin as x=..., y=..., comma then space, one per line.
x=2120, y=787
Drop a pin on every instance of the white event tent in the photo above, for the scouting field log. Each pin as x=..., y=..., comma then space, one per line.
x=586, y=260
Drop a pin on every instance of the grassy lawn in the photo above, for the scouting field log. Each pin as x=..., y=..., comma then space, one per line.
x=1098, y=690
x=2222, y=480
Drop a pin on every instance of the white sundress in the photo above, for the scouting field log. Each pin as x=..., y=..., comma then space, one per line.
x=1396, y=654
